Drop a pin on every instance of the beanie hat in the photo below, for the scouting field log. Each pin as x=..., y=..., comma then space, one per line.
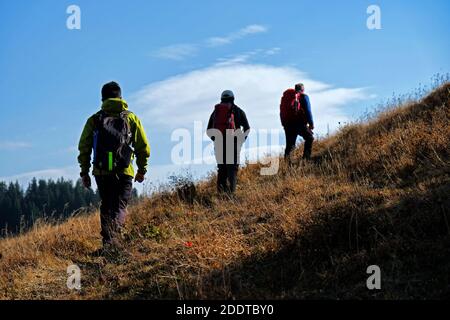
x=299, y=87
x=227, y=95
x=111, y=90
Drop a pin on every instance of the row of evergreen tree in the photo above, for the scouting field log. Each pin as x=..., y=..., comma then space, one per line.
x=54, y=200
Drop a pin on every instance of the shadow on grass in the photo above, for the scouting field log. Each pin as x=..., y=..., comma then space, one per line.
x=409, y=240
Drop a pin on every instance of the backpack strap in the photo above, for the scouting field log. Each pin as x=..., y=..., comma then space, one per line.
x=296, y=104
x=235, y=112
x=124, y=116
x=98, y=119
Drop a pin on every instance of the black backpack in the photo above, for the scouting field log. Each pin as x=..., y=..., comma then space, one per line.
x=112, y=139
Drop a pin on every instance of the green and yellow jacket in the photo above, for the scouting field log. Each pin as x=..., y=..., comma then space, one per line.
x=139, y=140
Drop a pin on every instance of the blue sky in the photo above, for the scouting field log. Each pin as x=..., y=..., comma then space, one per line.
x=173, y=59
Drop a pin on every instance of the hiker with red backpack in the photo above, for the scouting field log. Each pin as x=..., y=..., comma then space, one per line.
x=116, y=136
x=228, y=127
x=297, y=120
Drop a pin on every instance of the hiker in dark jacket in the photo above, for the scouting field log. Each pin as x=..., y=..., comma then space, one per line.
x=297, y=123
x=228, y=127
x=113, y=168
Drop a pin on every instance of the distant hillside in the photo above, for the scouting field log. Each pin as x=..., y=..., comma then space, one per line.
x=377, y=193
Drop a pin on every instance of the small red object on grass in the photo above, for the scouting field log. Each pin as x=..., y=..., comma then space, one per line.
x=188, y=244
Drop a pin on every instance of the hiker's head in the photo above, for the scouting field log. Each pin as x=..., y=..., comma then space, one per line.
x=111, y=90
x=227, y=96
x=300, y=87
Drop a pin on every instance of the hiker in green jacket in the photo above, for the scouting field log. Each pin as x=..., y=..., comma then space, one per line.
x=116, y=137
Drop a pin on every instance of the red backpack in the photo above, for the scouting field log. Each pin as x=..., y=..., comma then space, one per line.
x=291, y=111
x=224, y=117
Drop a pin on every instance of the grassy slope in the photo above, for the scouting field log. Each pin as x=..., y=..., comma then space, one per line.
x=377, y=193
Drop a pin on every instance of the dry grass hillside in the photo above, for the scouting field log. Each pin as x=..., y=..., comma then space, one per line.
x=376, y=193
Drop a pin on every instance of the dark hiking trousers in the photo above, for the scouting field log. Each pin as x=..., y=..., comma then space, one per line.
x=227, y=177
x=115, y=192
x=228, y=158
x=291, y=137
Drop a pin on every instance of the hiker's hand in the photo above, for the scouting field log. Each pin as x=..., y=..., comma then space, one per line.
x=139, y=177
x=86, y=180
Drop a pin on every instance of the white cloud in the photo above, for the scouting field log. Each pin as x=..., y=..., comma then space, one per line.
x=252, y=29
x=182, y=51
x=237, y=59
x=14, y=145
x=272, y=51
x=242, y=33
x=180, y=100
x=177, y=51
x=246, y=56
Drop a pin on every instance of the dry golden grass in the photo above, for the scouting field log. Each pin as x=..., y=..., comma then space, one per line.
x=376, y=193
